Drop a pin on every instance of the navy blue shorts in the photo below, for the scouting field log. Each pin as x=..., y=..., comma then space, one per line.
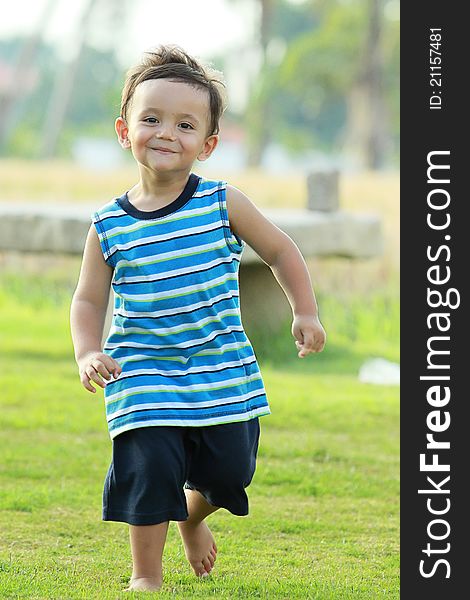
x=151, y=466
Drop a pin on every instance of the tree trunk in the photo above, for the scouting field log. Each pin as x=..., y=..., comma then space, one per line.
x=376, y=142
x=62, y=90
x=10, y=99
x=366, y=130
x=261, y=137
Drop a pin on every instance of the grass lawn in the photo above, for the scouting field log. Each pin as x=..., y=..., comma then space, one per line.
x=324, y=500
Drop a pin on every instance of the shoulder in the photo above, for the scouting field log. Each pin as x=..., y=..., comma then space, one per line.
x=111, y=208
x=234, y=193
x=238, y=203
x=235, y=198
x=242, y=213
x=207, y=187
x=250, y=224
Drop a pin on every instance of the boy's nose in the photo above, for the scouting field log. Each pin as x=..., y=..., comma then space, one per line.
x=165, y=132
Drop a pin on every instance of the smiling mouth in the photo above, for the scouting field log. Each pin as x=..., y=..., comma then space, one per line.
x=163, y=150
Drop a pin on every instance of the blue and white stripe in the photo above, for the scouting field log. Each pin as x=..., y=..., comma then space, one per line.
x=177, y=331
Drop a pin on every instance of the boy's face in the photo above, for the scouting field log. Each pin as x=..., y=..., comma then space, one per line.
x=167, y=126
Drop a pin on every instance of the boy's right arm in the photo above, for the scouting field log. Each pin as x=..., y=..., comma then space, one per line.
x=88, y=313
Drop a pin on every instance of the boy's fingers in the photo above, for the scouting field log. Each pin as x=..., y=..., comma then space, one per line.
x=86, y=383
x=113, y=366
x=320, y=341
x=101, y=369
x=117, y=369
x=93, y=376
x=308, y=339
x=310, y=345
x=301, y=350
x=307, y=345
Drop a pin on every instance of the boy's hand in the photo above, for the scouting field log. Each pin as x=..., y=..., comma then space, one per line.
x=309, y=334
x=96, y=365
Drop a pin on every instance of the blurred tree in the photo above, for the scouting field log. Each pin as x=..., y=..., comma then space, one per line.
x=280, y=23
x=22, y=130
x=345, y=61
x=13, y=95
x=329, y=81
x=336, y=86
x=260, y=109
x=91, y=110
x=66, y=90
x=370, y=79
x=84, y=101
x=63, y=87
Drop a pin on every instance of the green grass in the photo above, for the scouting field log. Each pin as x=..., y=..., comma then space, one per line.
x=323, y=522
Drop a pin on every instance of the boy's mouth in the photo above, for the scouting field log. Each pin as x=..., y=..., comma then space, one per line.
x=164, y=150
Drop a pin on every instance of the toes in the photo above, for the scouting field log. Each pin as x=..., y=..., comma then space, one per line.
x=207, y=565
x=200, y=570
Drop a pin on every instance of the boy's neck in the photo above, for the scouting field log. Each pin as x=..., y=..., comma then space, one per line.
x=154, y=190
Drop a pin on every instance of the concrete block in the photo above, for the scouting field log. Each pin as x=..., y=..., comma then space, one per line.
x=44, y=227
x=323, y=190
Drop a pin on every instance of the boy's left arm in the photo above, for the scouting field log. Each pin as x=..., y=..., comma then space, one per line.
x=284, y=258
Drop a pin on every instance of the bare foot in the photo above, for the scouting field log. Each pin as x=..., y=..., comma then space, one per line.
x=144, y=584
x=199, y=546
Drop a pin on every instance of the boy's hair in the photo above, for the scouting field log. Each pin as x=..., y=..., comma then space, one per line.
x=172, y=62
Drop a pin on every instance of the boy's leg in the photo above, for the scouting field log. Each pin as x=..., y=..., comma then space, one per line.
x=144, y=487
x=147, y=543
x=222, y=464
x=199, y=543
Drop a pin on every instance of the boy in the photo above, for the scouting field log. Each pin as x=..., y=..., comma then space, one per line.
x=182, y=385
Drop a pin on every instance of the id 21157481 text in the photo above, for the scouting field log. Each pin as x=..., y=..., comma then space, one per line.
x=435, y=68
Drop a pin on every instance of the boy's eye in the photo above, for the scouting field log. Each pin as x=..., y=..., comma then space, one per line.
x=150, y=120
x=186, y=126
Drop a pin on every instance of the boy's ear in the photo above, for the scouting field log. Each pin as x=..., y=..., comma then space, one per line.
x=208, y=147
x=122, y=131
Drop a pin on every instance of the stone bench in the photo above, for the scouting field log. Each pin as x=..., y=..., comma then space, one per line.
x=52, y=228
x=319, y=230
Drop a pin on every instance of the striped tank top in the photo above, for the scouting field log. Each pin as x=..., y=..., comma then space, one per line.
x=176, y=330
